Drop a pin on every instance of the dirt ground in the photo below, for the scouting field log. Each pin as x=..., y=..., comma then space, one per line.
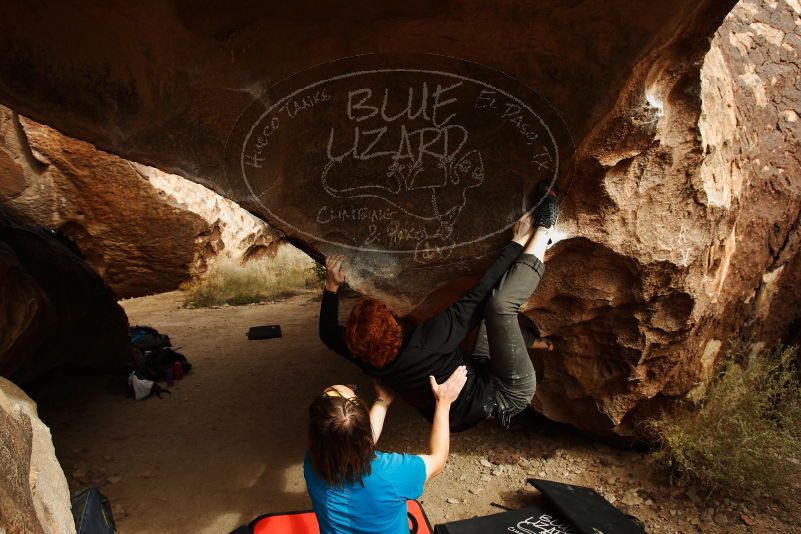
x=227, y=445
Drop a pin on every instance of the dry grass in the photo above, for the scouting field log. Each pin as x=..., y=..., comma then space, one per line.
x=744, y=438
x=289, y=273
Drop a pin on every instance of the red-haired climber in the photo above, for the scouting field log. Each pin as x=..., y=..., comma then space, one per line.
x=501, y=380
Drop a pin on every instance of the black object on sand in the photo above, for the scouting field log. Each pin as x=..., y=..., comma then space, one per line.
x=264, y=332
x=568, y=510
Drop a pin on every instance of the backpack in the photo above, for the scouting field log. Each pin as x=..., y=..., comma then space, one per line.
x=148, y=338
x=151, y=364
x=91, y=511
x=153, y=353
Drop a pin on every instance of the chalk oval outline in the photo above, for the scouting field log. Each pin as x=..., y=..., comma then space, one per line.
x=450, y=247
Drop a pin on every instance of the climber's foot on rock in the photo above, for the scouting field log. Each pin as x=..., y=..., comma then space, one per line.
x=547, y=211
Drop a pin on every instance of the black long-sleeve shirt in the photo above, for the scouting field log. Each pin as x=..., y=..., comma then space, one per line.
x=432, y=348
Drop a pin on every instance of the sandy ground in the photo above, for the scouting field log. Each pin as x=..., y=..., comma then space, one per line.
x=227, y=445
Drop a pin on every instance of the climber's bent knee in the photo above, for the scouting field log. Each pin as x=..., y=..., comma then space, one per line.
x=498, y=305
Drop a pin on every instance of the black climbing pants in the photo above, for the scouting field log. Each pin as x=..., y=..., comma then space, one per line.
x=504, y=343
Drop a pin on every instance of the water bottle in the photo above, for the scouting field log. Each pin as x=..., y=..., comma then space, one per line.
x=178, y=370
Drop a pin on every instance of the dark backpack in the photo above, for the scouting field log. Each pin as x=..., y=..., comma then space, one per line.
x=153, y=353
x=151, y=364
x=92, y=512
x=148, y=338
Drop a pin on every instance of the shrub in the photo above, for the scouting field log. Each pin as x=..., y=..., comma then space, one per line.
x=744, y=437
x=319, y=272
x=285, y=275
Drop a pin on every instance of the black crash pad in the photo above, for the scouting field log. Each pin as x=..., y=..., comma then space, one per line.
x=586, y=509
x=569, y=510
x=531, y=520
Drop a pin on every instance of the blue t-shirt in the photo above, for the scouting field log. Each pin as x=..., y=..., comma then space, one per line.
x=379, y=506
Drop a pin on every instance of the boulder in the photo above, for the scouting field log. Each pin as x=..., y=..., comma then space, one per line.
x=688, y=237
x=164, y=85
x=55, y=308
x=144, y=230
x=671, y=127
x=34, y=497
x=136, y=241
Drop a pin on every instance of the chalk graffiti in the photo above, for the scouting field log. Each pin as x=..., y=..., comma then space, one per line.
x=389, y=154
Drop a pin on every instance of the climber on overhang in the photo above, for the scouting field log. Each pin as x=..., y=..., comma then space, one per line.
x=501, y=379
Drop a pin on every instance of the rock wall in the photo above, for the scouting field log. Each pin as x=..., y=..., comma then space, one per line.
x=55, y=308
x=685, y=218
x=162, y=83
x=234, y=235
x=34, y=497
x=752, y=135
x=145, y=231
x=678, y=233
x=136, y=241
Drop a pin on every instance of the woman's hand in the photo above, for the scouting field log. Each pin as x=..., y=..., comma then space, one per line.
x=383, y=392
x=449, y=390
x=334, y=272
x=521, y=231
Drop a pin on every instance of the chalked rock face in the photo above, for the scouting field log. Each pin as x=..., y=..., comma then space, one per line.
x=398, y=156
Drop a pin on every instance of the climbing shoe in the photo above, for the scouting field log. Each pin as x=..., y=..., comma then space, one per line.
x=503, y=415
x=547, y=211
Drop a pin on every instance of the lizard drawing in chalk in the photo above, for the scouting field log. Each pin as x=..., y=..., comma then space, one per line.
x=434, y=192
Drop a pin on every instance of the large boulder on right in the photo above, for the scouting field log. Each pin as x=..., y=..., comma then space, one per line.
x=684, y=228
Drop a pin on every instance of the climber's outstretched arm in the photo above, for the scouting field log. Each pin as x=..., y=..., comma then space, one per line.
x=331, y=333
